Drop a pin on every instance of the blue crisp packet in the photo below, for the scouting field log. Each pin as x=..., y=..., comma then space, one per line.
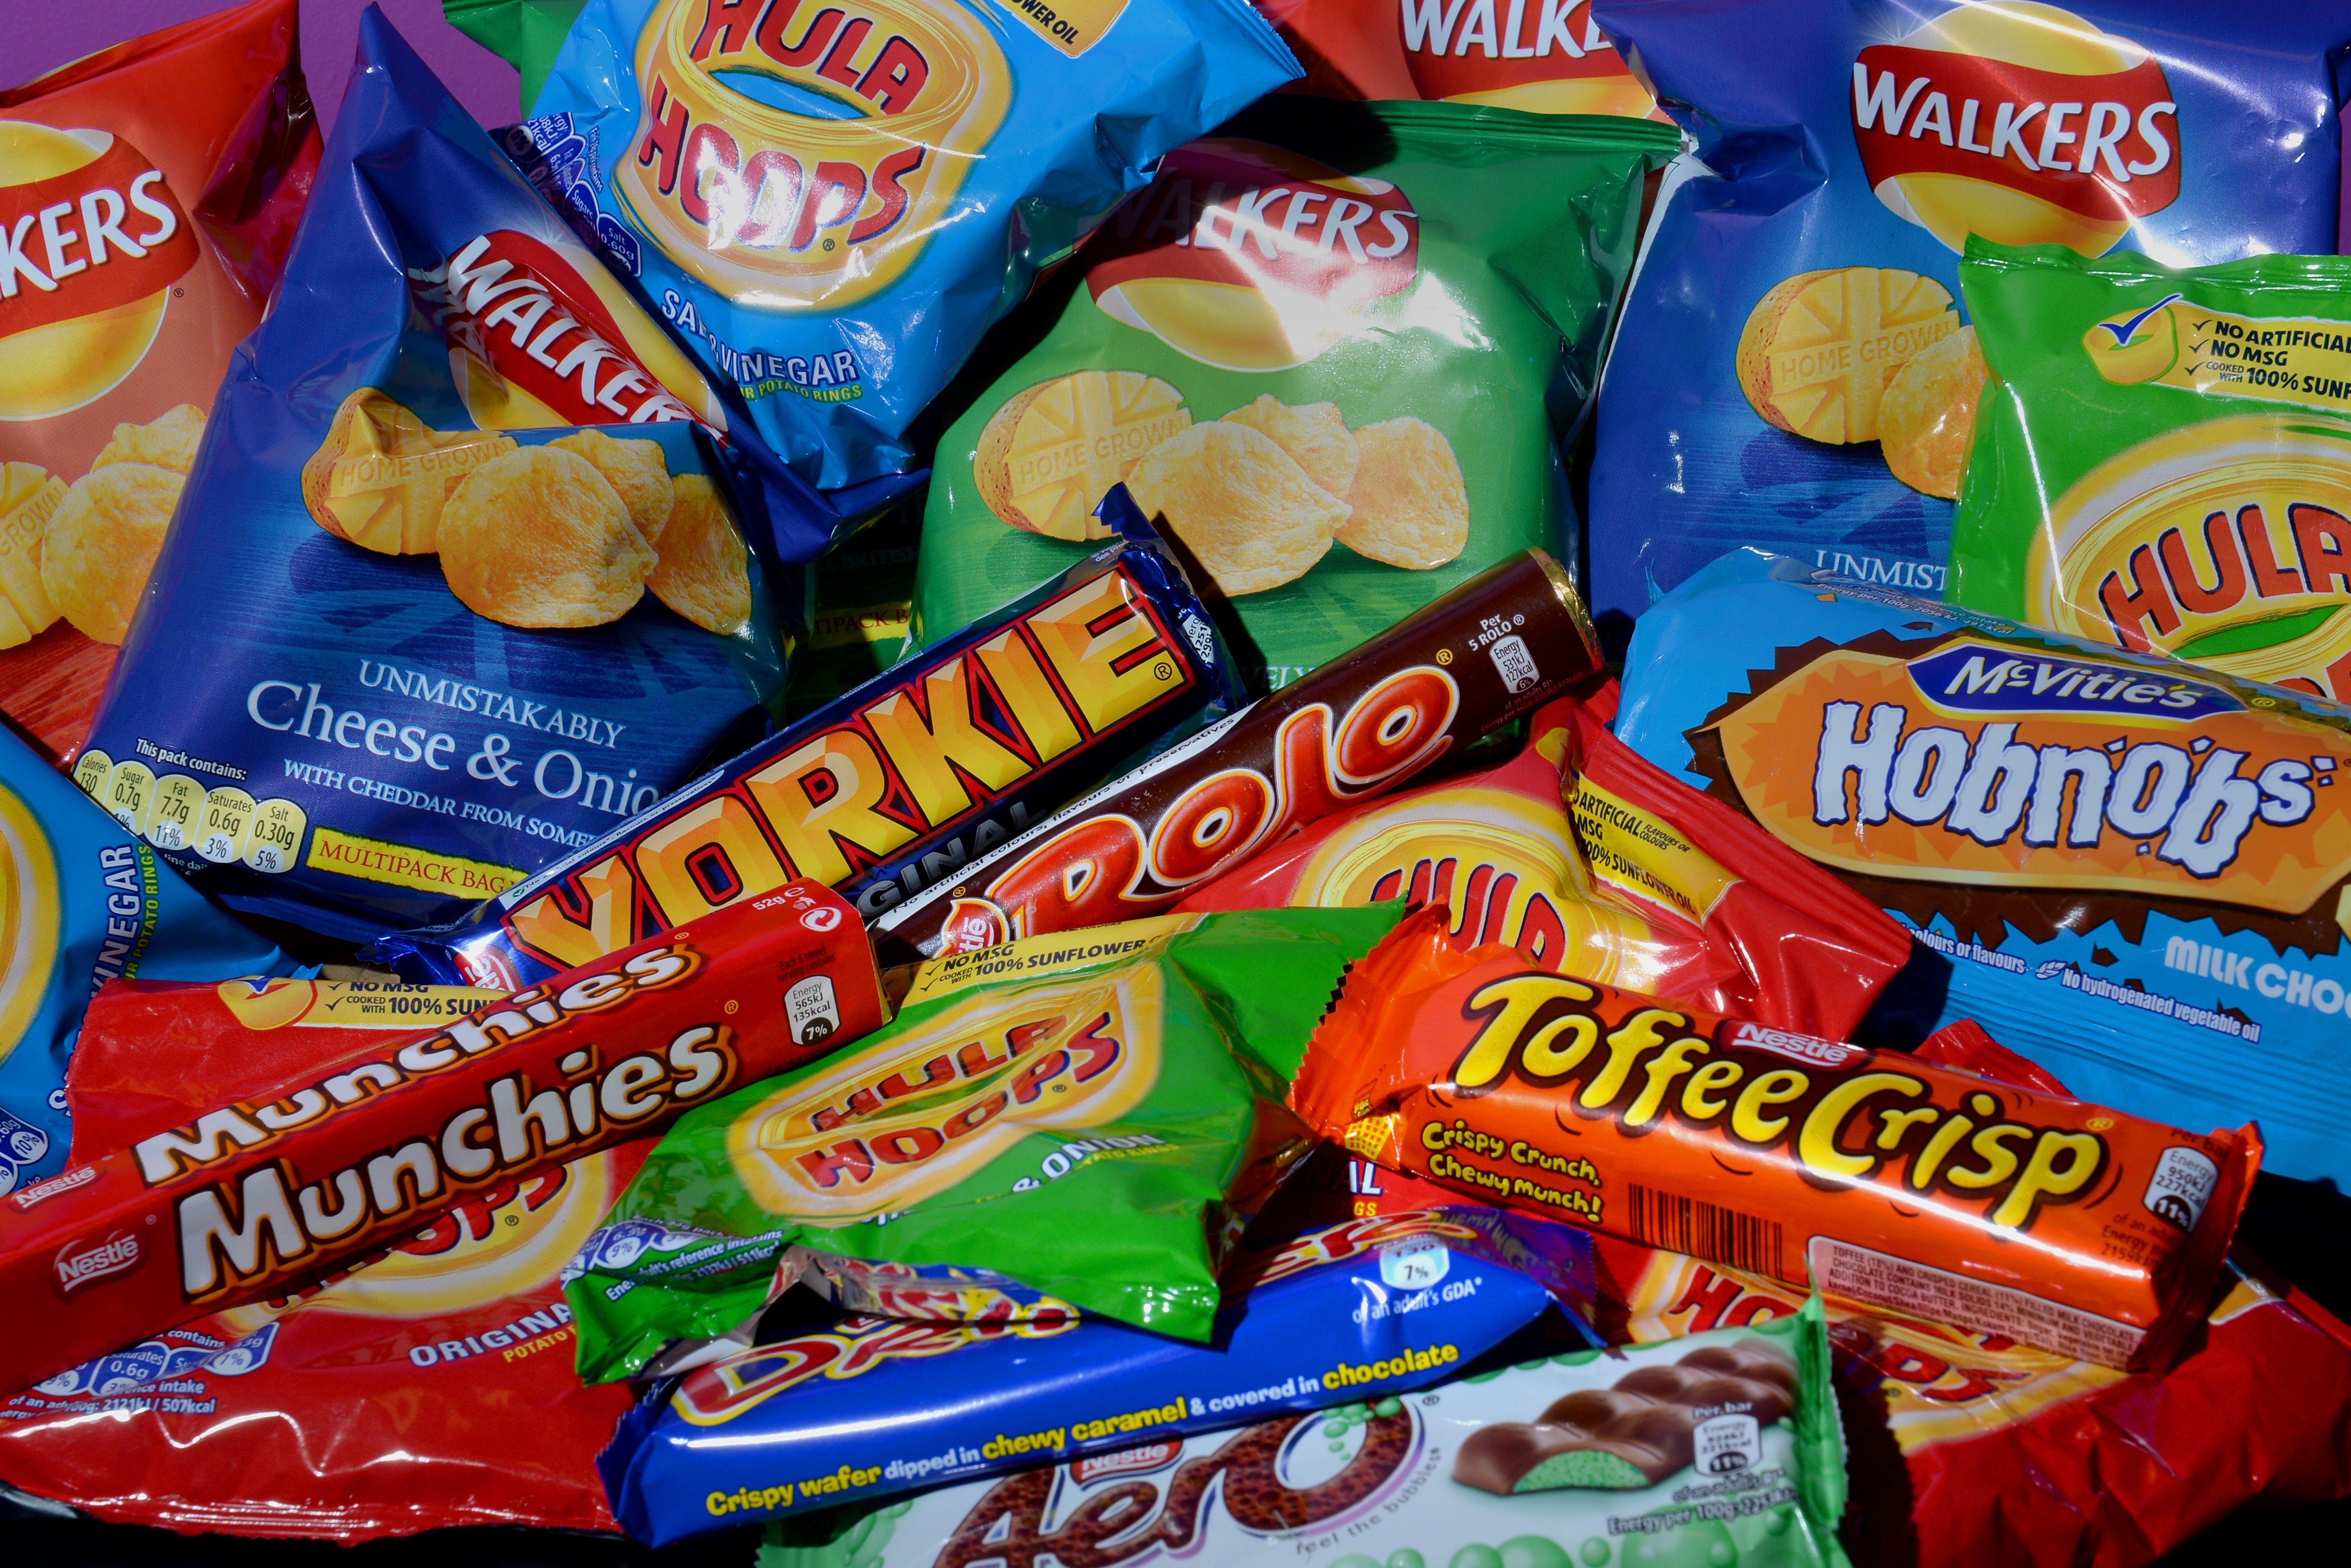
x=1792, y=369
x=961, y=1378
x=2131, y=870
x=472, y=562
x=832, y=204
x=82, y=903
x=891, y=788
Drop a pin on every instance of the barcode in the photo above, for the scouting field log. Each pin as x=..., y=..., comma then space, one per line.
x=1704, y=1231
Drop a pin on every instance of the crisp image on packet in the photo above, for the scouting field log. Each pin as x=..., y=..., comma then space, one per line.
x=2129, y=869
x=1795, y=371
x=2164, y=461
x=833, y=204
x=148, y=193
x=1722, y=1447
x=1331, y=348
x=82, y=903
x=1550, y=58
x=1095, y=1115
x=478, y=563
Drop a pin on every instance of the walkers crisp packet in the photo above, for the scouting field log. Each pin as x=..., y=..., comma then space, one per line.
x=1796, y=370
x=833, y=202
x=1550, y=58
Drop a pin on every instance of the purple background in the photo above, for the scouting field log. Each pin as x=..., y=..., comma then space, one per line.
x=42, y=35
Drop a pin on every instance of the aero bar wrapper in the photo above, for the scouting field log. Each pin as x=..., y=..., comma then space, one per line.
x=1498, y=646
x=2127, y=869
x=1094, y=1117
x=1887, y=1178
x=256, y=1197
x=892, y=787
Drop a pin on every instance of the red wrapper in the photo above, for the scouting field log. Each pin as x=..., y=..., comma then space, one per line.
x=259, y=1196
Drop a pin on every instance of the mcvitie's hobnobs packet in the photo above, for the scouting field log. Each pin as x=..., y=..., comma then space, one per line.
x=833, y=202
x=2129, y=869
x=1796, y=369
x=1333, y=348
x=892, y=787
x=861, y=1406
x=1093, y=1115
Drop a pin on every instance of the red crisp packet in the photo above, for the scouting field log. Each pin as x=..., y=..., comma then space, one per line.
x=432, y=1387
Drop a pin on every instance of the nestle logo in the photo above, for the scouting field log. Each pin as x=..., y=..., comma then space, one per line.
x=54, y=1185
x=1126, y=1462
x=1795, y=1047
x=1982, y=677
x=112, y=1256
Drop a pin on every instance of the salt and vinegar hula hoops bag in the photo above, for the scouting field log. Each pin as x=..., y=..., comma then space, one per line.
x=834, y=203
x=1333, y=346
x=472, y=563
x=2163, y=461
x=2131, y=870
x=1796, y=371
x=1546, y=59
x=82, y=903
x=1094, y=1114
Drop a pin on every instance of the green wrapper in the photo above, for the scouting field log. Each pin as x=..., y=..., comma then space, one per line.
x=1394, y=309
x=1094, y=1115
x=2162, y=460
x=526, y=34
x=1757, y=1478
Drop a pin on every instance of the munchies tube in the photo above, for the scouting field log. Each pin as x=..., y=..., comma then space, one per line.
x=1502, y=644
x=261, y=1195
x=1895, y=1181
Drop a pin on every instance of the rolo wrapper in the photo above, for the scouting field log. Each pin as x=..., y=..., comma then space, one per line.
x=1722, y=1447
x=1796, y=371
x=1547, y=58
x=262, y=1194
x=834, y=202
x=2162, y=461
x=474, y=562
x=148, y=193
x=1886, y=1178
x=1095, y=1115
x=1332, y=349
x=891, y=788
x=2127, y=869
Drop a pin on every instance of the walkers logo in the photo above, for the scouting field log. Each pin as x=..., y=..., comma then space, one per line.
x=2227, y=542
x=1545, y=57
x=83, y=1263
x=1916, y=769
x=2017, y=122
x=826, y=201
x=92, y=240
x=885, y=1127
x=1253, y=257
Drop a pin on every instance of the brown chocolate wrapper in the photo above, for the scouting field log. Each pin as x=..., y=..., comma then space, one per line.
x=1498, y=646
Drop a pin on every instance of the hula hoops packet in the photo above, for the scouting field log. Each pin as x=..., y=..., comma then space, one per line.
x=461, y=575
x=1362, y=1310
x=832, y=204
x=1095, y=1114
x=1794, y=373
x=2163, y=459
x=1333, y=347
x=2129, y=870
x=1721, y=1448
x=82, y=903
x=892, y=787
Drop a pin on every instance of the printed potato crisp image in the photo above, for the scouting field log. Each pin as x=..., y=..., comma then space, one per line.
x=1330, y=348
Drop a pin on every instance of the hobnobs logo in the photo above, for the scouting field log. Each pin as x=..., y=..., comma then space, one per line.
x=2017, y=122
x=81, y=1263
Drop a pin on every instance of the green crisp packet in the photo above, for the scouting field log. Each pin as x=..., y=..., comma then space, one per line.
x=526, y=34
x=1334, y=345
x=1720, y=1450
x=1093, y=1115
x=2162, y=460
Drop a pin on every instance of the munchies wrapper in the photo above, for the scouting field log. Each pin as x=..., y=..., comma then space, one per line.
x=1497, y=647
x=1651, y=886
x=1888, y=1179
x=1095, y=1117
x=254, y=1198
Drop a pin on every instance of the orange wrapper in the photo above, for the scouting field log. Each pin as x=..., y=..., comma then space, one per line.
x=1892, y=1180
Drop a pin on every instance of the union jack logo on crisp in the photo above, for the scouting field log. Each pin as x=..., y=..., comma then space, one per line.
x=78, y=1265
